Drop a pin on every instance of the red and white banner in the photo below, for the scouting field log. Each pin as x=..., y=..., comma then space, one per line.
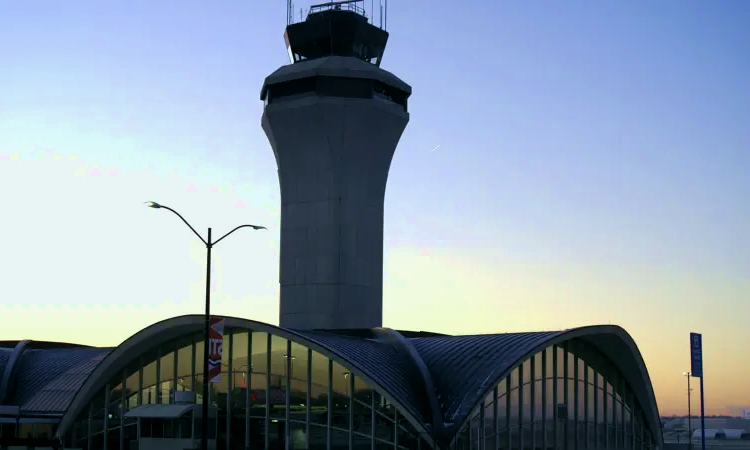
x=215, y=343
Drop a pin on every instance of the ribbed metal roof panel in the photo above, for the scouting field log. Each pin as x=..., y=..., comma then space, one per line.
x=463, y=367
x=47, y=380
x=382, y=362
x=4, y=358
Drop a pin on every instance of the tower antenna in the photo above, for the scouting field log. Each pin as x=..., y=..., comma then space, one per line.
x=385, y=26
x=380, y=15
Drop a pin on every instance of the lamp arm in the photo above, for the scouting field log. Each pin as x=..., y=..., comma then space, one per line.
x=186, y=223
x=255, y=227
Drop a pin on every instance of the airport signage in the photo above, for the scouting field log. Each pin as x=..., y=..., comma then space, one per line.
x=696, y=355
x=215, y=347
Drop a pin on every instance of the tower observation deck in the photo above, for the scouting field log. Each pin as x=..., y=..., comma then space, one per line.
x=333, y=118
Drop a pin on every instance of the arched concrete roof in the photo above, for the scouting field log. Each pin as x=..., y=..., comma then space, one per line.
x=42, y=377
x=5, y=354
x=491, y=358
x=174, y=328
x=423, y=378
x=435, y=381
x=10, y=367
x=48, y=379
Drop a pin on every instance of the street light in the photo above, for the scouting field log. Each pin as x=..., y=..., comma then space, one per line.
x=207, y=319
x=690, y=430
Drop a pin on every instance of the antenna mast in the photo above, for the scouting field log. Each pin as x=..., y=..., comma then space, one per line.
x=380, y=16
x=385, y=25
x=289, y=12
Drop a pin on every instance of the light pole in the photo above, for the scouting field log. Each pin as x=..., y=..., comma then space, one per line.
x=207, y=319
x=690, y=430
x=291, y=365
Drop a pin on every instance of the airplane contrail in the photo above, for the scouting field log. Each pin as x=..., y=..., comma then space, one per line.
x=436, y=147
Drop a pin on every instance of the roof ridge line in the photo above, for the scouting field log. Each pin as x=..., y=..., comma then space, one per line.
x=404, y=347
x=11, y=368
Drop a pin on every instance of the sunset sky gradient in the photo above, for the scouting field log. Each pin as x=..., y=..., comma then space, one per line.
x=593, y=168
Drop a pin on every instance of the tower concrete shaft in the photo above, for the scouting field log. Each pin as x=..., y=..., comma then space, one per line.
x=333, y=118
x=333, y=144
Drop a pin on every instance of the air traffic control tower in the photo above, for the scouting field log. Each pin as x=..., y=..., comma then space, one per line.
x=334, y=119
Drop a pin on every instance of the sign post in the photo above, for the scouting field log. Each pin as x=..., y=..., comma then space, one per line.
x=696, y=370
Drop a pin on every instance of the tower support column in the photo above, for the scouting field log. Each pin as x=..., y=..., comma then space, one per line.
x=333, y=156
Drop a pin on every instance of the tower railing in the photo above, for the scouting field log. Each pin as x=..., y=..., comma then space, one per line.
x=347, y=5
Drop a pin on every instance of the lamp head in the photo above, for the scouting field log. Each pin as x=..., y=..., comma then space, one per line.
x=153, y=205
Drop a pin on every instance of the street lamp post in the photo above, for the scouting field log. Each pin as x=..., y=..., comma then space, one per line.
x=690, y=429
x=207, y=315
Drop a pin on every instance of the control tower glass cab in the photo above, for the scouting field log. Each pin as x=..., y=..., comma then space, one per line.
x=336, y=29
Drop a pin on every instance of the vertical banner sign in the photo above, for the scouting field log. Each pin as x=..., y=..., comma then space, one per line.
x=215, y=342
x=696, y=369
x=696, y=355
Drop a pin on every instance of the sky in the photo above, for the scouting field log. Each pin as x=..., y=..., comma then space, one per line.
x=593, y=168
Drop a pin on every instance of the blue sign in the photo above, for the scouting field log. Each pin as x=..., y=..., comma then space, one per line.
x=696, y=355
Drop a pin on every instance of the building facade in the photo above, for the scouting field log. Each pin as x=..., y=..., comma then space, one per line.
x=567, y=396
x=274, y=393
x=285, y=389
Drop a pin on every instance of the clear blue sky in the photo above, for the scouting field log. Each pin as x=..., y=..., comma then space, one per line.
x=594, y=167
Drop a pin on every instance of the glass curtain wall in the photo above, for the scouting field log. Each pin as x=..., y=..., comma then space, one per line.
x=273, y=394
x=567, y=397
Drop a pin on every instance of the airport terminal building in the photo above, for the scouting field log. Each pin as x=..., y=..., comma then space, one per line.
x=584, y=388
x=330, y=376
